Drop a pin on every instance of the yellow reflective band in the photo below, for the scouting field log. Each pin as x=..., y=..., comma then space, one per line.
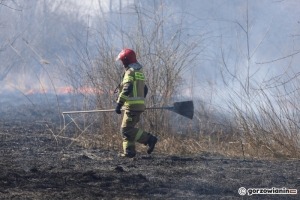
x=124, y=97
x=132, y=102
x=139, y=76
x=126, y=144
x=134, y=89
x=138, y=135
x=127, y=79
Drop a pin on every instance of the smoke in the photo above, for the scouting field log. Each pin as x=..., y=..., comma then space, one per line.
x=38, y=41
x=249, y=44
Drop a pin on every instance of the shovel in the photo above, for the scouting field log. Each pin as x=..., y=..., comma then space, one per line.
x=183, y=108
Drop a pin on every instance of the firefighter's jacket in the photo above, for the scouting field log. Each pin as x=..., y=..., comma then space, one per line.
x=132, y=88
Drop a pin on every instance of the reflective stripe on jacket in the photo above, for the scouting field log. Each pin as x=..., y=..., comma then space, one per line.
x=132, y=88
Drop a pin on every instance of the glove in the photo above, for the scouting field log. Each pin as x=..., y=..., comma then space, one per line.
x=118, y=108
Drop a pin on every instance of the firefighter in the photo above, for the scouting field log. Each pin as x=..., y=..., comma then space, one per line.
x=132, y=93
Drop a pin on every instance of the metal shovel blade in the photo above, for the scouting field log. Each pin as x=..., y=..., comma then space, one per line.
x=184, y=108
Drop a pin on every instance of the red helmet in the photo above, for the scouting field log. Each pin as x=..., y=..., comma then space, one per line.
x=127, y=56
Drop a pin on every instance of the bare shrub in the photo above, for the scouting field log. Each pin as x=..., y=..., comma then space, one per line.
x=260, y=122
x=159, y=41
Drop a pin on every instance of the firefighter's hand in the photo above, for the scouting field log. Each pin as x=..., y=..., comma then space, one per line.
x=118, y=108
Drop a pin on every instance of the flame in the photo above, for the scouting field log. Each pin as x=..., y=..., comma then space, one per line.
x=65, y=90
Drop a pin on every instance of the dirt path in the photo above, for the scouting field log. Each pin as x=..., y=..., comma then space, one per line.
x=32, y=166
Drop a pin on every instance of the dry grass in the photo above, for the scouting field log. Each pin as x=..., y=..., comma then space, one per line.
x=271, y=146
x=270, y=137
x=264, y=121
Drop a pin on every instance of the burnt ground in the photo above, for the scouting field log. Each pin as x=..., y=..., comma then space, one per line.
x=34, y=166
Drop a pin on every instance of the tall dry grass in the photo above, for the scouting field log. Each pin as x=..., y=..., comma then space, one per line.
x=259, y=123
x=242, y=136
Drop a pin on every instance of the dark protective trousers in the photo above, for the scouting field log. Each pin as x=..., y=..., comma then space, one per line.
x=132, y=134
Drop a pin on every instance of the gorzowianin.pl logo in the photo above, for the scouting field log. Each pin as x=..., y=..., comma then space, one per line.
x=251, y=191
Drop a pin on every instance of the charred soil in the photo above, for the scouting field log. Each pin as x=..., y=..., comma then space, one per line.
x=33, y=165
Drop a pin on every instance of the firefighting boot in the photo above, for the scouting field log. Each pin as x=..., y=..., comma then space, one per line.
x=151, y=143
x=127, y=155
x=129, y=152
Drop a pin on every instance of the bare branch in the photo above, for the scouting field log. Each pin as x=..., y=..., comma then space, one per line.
x=2, y=2
x=271, y=61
